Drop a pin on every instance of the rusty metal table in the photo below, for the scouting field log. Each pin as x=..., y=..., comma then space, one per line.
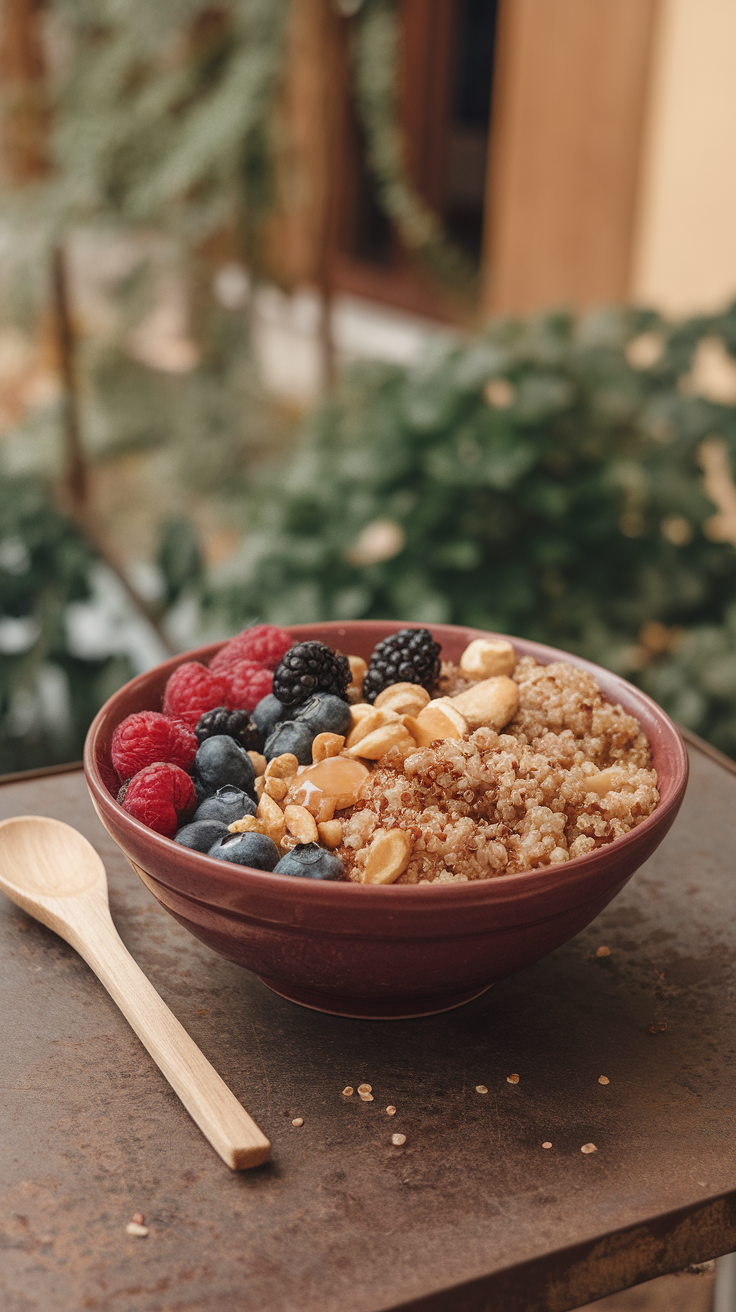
x=472, y=1212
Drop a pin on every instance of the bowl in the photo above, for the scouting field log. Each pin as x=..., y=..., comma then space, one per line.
x=393, y=951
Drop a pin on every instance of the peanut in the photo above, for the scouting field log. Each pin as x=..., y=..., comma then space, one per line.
x=492, y=703
x=326, y=745
x=259, y=762
x=276, y=788
x=483, y=658
x=282, y=767
x=330, y=832
x=439, y=719
x=375, y=744
x=404, y=698
x=301, y=823
x=388, y=856
x=271, y=817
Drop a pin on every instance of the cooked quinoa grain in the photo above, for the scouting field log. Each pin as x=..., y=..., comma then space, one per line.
x=570, y=773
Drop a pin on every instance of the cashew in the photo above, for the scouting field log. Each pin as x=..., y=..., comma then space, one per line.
x=483, y=658
x=259, y=762
x=439, y=719
x=404, y=698
x=492, y=703
x=375, y=719
x=301, y=823
x=388, y=856
x=271, y=817
x=330, y=832
x=326, y=745
x=606, y=781
x=276, y=788
x=358, y=668
x=282, y=767
x=359, y=712
x=376, y=744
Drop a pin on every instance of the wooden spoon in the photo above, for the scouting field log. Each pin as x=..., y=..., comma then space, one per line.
x=54, y=874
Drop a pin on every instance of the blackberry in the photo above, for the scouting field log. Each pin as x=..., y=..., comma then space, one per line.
x=409, y=656
x=307, y=668
x=236, y=724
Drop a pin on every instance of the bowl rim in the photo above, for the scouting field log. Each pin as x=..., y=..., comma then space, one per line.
x=527, y=882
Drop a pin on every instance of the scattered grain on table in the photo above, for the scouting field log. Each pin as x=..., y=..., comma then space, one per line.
x=512, y=1079
x=348, y=1091
x=603, y=951
x=603, y=1079
x=589, y=1148
x=398, y=1139
x=298, y=1120
x=365, y=1088
x=546, y=1144
x=391, y=1111
x=481, y=1088
x=366, y=1097
x=133, y=1228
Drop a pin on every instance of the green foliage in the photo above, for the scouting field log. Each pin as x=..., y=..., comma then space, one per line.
x=532, y=481
x=48, y=694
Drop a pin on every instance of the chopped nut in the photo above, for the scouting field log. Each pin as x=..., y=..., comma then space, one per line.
x=271, y=817
x=358, y=669
x=375, y=744
x=388, y=856
x=398, y=1139
x=248, y=825
x=546, y=1144
x=391, y=1111
x=276, y=788
x=512, y=1079
x=604, y=782
x=133, y=1228
x=259, y=786
x=603, y=1079
x=359, y=712
x=603, y=951
x=481, y=1088
x=491, y=703
x=259, y=762
x=330, y=832
x=589, y=1148
x=298, y=1120
x=348, y=1090
x=282, y=767
x=404, y=698
x=365, y=1088
x=301, y=823
x=327, y=744
x=485, y=657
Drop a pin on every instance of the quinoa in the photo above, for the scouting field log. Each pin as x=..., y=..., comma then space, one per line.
x=496, y=804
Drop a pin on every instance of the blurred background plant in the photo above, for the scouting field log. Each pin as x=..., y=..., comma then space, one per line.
x=171, y=175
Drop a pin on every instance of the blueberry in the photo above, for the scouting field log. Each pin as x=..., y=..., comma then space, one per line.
x=267, y=714
x=221, y=761
x=247, y=850
x=201, y=834
x=310, y=861
x=227, y=805
x=325, y=713
x=291, y=736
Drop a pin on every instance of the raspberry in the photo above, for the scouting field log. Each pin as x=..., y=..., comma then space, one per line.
x=263, y=644
x=149, y=736
x=161, y=796
x=191, y=690
x=246, y=684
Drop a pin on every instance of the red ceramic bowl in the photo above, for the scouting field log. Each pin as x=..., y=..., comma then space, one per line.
x=393, y=951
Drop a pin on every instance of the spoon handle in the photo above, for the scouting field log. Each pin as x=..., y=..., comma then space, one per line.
x=89, y=928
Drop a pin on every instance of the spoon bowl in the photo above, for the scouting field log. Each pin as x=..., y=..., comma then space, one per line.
x=53, y=873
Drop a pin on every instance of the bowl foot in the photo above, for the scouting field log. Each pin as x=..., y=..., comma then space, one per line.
x=373, y=1008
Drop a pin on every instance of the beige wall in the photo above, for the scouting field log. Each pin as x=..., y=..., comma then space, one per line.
x=685, y=239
